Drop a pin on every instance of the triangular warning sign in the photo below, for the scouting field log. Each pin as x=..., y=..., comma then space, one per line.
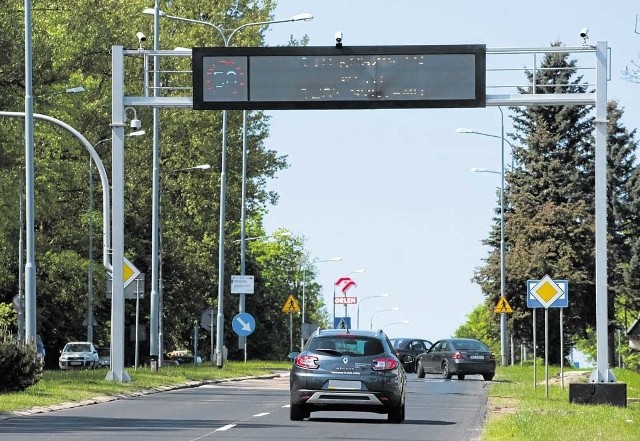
x=342, y=324
x=291, y=305
x=502, y=306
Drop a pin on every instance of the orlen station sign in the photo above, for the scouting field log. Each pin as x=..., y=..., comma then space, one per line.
x=358, y=77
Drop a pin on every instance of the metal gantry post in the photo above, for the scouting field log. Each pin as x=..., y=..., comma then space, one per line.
x=602, y=373
x=117, y=372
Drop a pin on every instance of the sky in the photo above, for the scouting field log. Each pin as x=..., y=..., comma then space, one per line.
x=391, y=191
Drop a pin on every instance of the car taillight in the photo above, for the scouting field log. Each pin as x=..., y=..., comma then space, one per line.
x=306, y=362
x=457, y=356
x=384, y=364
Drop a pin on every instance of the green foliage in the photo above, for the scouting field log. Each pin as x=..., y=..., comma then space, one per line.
x=8, y=317
x=549, y=209
x=19, y=365
x=481, y=326
x=72, y=41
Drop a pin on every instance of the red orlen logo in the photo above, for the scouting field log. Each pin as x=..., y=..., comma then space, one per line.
x=345, y=284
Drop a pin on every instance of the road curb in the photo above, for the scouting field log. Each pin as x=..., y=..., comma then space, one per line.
x=115, y=397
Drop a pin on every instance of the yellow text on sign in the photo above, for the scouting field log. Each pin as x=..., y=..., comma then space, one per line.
x=291, y=305
x=502, y=306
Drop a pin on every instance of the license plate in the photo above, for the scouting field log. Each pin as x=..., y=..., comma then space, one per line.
x=477, y=357
x=344, y=384
x=75, y=363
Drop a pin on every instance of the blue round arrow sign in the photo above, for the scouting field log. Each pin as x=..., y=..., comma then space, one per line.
x=243, y=324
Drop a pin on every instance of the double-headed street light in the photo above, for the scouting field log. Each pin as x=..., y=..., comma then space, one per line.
x=226, y=35
x=379, y=311
x=360, y=303
x=503, y=316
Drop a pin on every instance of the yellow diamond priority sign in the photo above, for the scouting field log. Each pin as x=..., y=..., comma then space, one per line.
x=546, y=291
x=502, y=306
x=291, y=305
x=129, y=272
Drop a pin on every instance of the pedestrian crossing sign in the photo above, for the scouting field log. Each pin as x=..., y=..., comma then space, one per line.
x=502, y=306
x=291, y=305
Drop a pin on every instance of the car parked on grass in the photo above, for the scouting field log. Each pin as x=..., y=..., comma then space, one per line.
x=458, y=356
x=347, y=370
x=104, y=357
x=78, y=354
x=408, y=349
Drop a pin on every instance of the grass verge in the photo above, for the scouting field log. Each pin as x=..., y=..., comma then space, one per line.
x=57, y=387
x=518, y=411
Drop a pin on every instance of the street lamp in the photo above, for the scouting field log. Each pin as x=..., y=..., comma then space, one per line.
x=283, y=234
x=77, y=89
x=304, y=283
x=90, y=266
x=21, y=268
x=403, y=322
x=362, y=270
x=379, y=311
x=160, y=285
x=360, y=303
x=503, y=316
x=227, y=35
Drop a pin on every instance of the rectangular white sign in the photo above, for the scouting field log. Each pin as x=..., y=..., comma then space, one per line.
x=241, y=284
x=346, y=300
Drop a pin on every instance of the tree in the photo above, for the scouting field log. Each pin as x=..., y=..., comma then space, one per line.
x=481, y=325
x=72, y=44
x=549, y=219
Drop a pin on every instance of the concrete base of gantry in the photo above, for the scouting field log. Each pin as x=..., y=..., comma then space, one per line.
x=614, y=394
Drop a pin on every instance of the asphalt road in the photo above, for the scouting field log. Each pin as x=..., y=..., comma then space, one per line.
x=258, y=410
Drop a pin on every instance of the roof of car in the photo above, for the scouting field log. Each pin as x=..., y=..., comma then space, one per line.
x=357, y=332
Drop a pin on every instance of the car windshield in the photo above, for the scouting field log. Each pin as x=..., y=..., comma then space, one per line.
x=77, y=347
x=352, y=345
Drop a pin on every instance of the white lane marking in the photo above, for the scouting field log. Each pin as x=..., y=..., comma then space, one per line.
x=261, y=414
x=225, y=428
x=286, y=405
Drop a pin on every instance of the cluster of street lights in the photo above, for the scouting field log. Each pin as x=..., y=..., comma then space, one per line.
x=226, y=35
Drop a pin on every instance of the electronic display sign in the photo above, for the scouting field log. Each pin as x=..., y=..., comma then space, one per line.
x=339, y=78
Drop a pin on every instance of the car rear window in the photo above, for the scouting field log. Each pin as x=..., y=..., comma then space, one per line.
x=358, y=346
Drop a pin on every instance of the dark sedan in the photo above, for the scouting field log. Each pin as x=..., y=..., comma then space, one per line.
x=458, y=356
x=408, y=350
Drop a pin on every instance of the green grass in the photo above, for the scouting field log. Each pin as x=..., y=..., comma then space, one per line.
x=57, y=387
x=518, y=411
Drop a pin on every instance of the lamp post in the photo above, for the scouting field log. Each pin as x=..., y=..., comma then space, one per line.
x=304, y=283
x=160, y=285
x=362, y=270
x=503, y=316
x=379, y=311
x=21, y=268
x=226, y=35
x=89, y=318
x=360, y=303
x=242, y=340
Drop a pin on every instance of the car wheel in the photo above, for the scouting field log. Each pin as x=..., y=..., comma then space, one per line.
x=460, y=376
x=420, y=370
x=488, y=377
x=297, y=412
x=445, y=371
x=396, y=414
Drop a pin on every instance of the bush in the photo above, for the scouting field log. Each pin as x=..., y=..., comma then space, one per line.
x=20, y=366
